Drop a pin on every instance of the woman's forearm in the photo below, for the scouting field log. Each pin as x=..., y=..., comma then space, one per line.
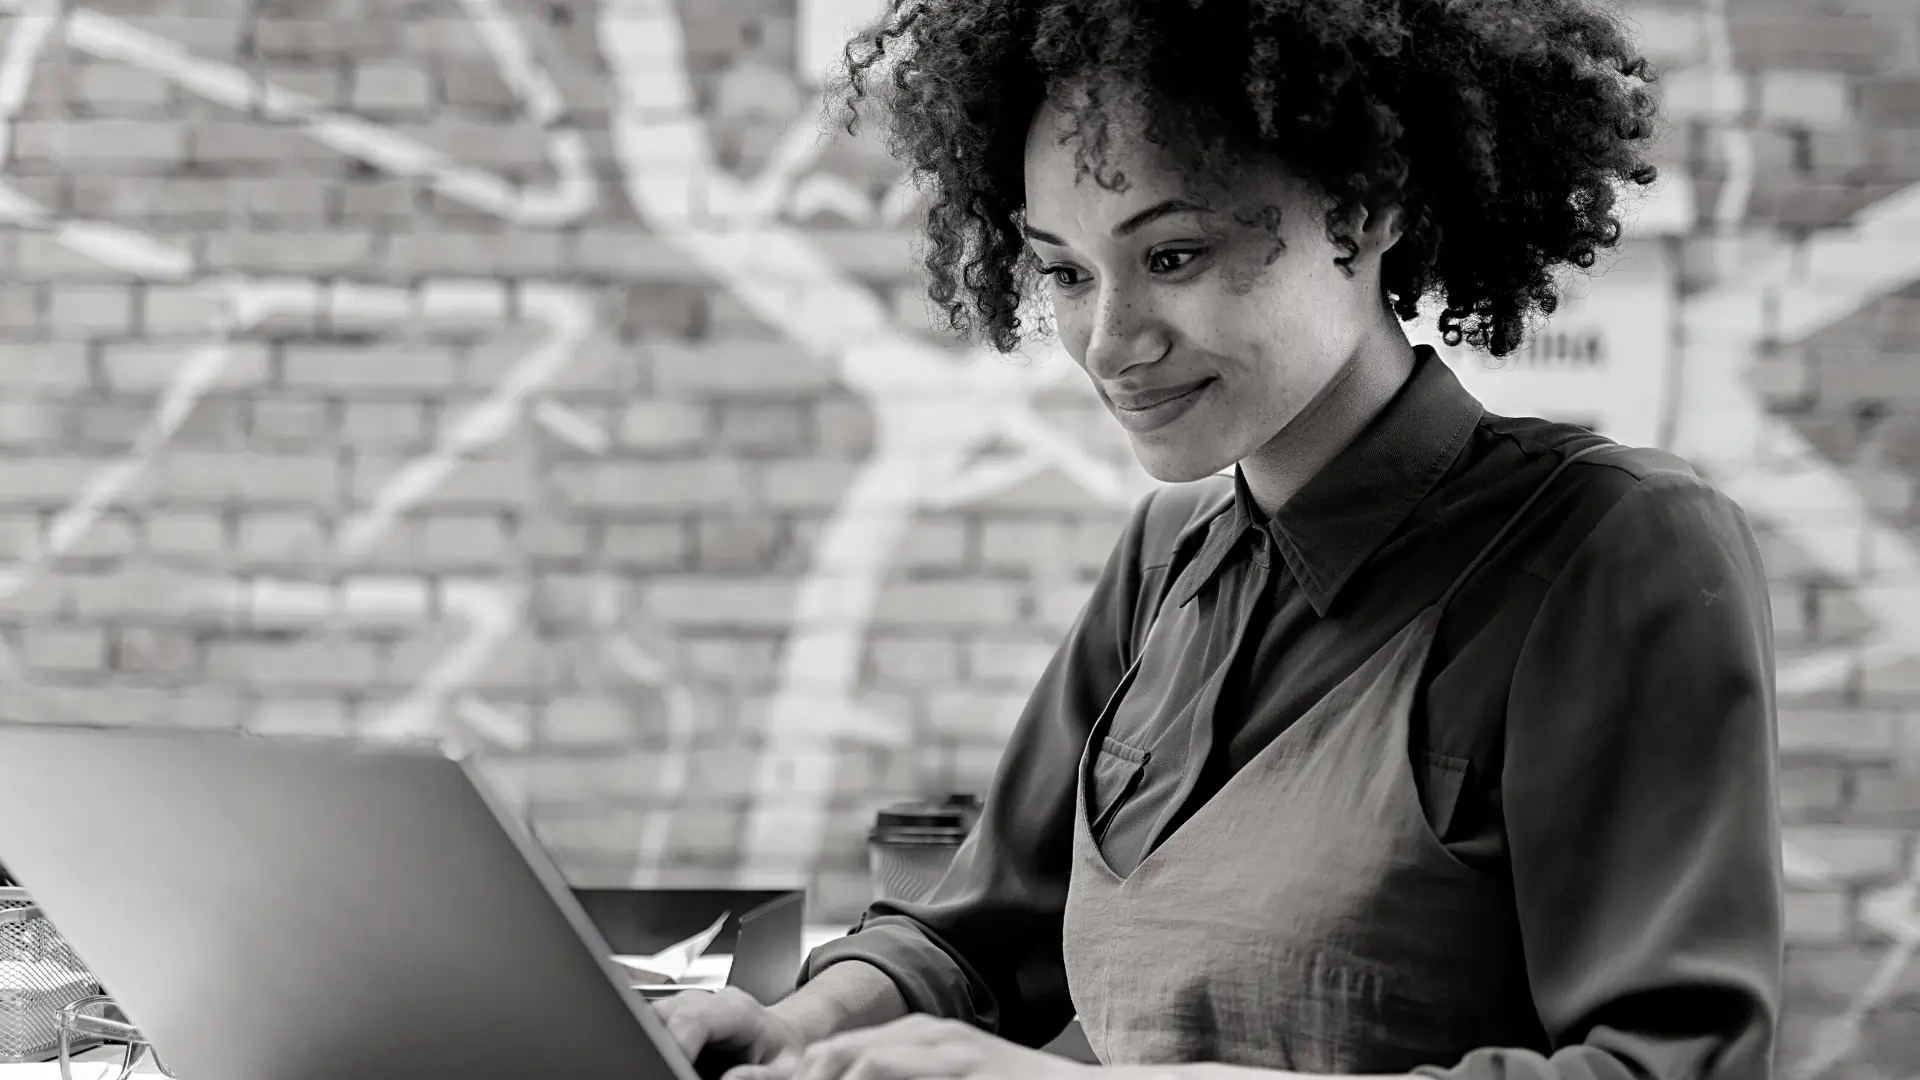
x=1222, y=1073
x=848, y=995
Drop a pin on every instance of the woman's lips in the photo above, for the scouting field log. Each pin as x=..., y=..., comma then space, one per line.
x=1149, y=410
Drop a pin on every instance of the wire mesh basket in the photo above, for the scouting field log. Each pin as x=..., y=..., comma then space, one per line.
x=39, y=975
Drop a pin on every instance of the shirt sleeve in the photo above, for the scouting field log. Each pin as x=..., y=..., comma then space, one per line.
x=985, y=947
x=1641, y=802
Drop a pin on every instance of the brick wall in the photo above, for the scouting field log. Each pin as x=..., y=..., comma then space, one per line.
x=504, y=370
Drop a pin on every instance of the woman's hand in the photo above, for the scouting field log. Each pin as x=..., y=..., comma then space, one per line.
x=916, y=1048
x=727, y=1027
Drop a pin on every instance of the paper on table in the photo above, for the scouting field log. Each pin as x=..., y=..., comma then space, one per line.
x=671, y=964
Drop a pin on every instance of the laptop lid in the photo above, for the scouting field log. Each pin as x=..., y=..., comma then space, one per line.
x=767, y=953
x=297, y=908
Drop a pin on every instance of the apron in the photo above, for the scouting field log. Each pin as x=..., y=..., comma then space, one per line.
x=1305, y=917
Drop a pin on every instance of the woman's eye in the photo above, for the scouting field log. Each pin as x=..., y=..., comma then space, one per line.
x=1166, y=262
x=1063, y=276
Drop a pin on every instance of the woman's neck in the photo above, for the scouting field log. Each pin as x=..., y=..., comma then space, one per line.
x=1363, y=386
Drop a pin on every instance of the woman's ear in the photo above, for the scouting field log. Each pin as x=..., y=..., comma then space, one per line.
x=1379, y=230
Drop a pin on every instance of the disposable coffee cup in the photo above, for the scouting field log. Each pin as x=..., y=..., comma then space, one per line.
x=911, y=845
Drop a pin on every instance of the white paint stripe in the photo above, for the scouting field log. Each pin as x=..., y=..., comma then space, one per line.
x=492, y=610
x=474, y=189
x=1023, y=427
x=360, y=535
x=122, y=249
x=1845, y=269
x=1736, y=141
x=1723, y=421
x=277, y=599
x=1892, y=912
x=1804, y=868
x=397, y=154
x=1810, y=496
x=1833, y=1040
x=796, y=152
x=355, y=302
x=1821, y=670
x=492, y=613
x=987, y=477
x=1726, y=427
x=489, y=609
x=570, y=320
x=900, y=201
x=830, y=194
x=567, y=313
x=16, y=208
x=113, y=39
x=571, y=428
x=514, y=56
x=634, y=661
x=25, y=41
x=785, y=280
x=670, y=782
x=462, y=298
x=126, y=250
x=1878, y=253
x=384, y=597
x=72, y=523
x=105, y=487
x=263, y=298
x=571, y=194
x=493, y=723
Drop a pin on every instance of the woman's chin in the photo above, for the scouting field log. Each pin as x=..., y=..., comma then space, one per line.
x=1170, y=465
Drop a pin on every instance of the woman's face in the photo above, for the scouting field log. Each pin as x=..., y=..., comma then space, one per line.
x=1200, y=340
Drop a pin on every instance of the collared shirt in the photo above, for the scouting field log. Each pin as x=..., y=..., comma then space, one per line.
x=1596, y=723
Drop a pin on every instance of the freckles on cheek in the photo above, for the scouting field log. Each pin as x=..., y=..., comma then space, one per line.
x=1250, y=267
x=1074, y=335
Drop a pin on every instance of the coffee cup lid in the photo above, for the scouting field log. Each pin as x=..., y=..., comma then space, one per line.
x=946, y=821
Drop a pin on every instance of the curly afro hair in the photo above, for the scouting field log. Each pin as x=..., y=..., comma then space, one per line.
x=1500, y=129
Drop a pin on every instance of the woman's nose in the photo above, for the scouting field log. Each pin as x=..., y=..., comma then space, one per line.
x=1124, y=334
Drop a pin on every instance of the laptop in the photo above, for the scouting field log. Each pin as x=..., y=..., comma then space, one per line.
x=294, y=908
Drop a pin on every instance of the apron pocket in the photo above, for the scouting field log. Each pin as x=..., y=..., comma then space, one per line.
x=1117, y=772
x=1440, y=784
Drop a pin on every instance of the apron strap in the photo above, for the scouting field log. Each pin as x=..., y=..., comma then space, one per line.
x=1512, y=522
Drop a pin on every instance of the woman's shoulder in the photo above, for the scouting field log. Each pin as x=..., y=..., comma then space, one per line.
x=1605, y=468
x=1627, y=504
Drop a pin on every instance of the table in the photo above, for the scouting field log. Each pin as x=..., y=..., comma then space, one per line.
x=708, y=972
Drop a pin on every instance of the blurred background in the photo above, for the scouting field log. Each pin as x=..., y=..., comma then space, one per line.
x=540, y=374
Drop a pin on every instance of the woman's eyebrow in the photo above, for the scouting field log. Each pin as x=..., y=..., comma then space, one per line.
x=1133, y=224
x=1157, y=211
x=1032, y=233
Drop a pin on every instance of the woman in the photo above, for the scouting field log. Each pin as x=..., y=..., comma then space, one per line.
x=1397, y=738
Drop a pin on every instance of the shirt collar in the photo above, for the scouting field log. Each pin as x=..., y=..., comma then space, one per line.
x=1334, y=524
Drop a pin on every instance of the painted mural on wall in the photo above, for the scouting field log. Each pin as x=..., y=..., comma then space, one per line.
x=530, y=362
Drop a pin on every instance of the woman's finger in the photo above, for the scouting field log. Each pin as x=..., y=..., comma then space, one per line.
x=903, y=1062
